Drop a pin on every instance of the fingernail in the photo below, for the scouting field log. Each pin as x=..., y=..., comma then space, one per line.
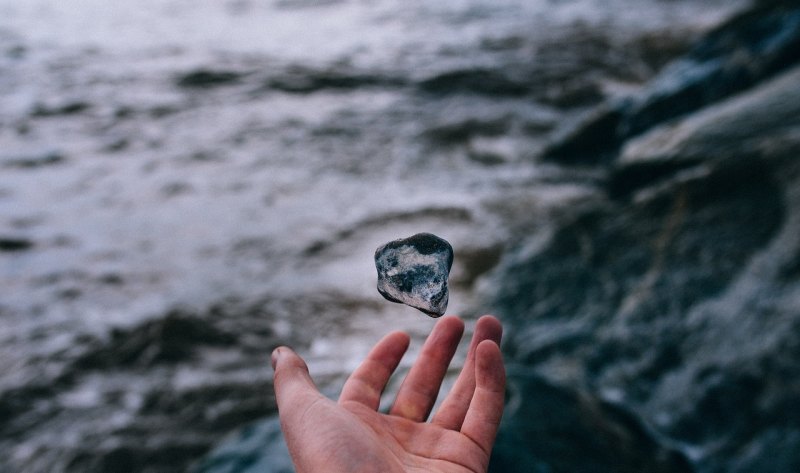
x=276, y=353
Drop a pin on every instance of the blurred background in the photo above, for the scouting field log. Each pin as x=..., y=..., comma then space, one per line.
x=185, y=185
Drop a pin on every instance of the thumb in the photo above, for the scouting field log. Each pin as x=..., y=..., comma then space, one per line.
x=292, y=383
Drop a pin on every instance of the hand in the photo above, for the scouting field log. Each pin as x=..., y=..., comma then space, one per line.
x=352, y=436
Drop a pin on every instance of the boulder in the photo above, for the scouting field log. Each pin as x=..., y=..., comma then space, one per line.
x=258, y=448
x=676, y=297
x=576, y=432
x=749, y=48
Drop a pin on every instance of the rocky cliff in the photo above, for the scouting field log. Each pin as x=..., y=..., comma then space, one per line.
x=659, y=328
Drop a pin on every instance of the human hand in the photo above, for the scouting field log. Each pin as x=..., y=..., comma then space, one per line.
x=352, y=436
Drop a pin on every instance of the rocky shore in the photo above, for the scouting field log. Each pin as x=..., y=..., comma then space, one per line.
x=175, y=202
x=658, y=330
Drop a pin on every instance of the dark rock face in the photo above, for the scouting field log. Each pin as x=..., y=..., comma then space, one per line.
x=563, y=419
x=302, y=80
x=169, y=340
x=256, y=449
x=206, y=78
x=749, y=48
x=676, y=296
x=478, y=81
x=32, y=160
x=11, y=243
x=414, y=271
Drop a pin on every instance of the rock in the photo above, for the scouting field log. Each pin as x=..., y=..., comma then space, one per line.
x=480, y=81
x=677, y=298
x=749, y=48
x=305, y=80
x=594, y=139
x=258, y=448
x=66, y=108
x=13, y=243
x=564, y=421
x=414, y=271
x=737, y=128
x=168, y=340
x=206, y=78
x=463, y=130
x=29, y=159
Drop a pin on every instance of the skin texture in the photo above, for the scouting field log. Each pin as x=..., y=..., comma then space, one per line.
x=352, y=436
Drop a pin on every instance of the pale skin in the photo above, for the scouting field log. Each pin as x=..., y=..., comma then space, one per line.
x=350, y=435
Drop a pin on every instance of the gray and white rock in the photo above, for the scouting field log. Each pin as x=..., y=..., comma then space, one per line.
x=414, y=271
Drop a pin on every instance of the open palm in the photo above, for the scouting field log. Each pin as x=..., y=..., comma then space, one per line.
x=352, y=436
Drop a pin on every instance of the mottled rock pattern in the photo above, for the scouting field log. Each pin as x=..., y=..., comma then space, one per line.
x=414, y=271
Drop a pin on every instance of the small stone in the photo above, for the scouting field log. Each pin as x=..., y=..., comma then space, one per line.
x=414, y=271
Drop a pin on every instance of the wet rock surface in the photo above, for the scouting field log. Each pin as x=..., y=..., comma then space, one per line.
x=255, y=449
x=414, y=271
x=753, y=46
x=609, y=437
x=670, y=297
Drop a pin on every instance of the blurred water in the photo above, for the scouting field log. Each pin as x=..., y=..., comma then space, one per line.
x=163, y=153
x=157, y=178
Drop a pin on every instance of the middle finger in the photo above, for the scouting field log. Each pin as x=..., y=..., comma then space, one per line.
x=418, y=392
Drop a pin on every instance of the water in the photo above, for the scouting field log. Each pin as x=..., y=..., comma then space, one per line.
x=161, y=154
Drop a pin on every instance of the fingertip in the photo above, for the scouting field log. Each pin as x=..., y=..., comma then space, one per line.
x=282, y=353
x=488, y=351
x=276, y=353
x=451, y=324
x=489, y=318
x=399, y=337
x=489, y=327
x=490, y=369
x=291, y=374
x=391, y=348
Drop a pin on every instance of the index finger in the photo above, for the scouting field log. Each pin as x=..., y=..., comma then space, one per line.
x=369, y=380
x=419, y=389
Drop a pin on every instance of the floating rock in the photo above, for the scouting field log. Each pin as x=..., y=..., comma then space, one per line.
x=414, y=271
